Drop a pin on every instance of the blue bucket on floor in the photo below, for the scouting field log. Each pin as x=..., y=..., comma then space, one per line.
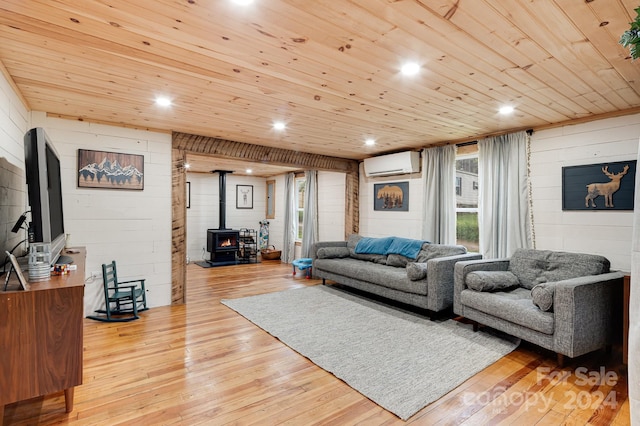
x=303, y=264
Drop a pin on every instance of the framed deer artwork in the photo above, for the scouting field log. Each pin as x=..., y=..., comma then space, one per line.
x=244, y=196
x=603, y=186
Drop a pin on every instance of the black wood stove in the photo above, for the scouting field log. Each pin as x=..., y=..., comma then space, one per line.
x=223, y=243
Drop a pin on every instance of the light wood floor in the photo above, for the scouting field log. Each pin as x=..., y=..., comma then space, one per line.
x=203, y=364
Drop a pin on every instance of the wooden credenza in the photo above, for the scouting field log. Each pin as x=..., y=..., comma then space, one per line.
x=41, y=337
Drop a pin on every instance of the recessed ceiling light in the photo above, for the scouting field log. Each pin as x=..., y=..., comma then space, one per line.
x=249, y=171
x=163, y=101
x=410, y=68
x=279, y=125
x=243, y=2
x=187, y=166
x=505, y=110
x=370, y=142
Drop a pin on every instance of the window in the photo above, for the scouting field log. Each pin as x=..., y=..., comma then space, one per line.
x=301, y=184
x=467, y=233
x=271, y=199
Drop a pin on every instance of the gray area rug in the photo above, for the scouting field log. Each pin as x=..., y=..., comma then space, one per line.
x=400, y=360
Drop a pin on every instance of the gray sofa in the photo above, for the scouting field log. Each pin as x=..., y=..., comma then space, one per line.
x=564, y=302
x=425, y=281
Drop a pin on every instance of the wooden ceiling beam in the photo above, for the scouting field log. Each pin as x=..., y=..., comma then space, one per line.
x=261, y=154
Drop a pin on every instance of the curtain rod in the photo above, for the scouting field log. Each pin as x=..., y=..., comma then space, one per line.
x=529, y=132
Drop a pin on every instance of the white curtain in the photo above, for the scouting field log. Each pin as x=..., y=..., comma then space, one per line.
x=290, y=220
x=310, y=218
x=439, y=209
x=503, y=214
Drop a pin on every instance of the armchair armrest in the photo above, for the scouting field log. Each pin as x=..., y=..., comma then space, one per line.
x=440, y=272
x=585, y=310
x=463, y=268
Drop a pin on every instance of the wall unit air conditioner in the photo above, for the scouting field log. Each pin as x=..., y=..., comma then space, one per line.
x=392, y=164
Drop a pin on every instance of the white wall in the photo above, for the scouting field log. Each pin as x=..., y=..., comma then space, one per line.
x=14, y=119
x=131, y=227
x=385, y=223
x=600, y=232
x=331, y=206
x=204, y=212
x=14, y=123
x=134, y=227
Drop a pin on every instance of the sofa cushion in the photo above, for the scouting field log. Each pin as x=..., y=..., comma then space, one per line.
x=332, y=252
x=564, y=266
x=382, y=275
x=528, y=271
x=491, y=280
x=397, y=260
x=375, y=258
x=514, y=306
x=352, y=241
x=431, y=251
x=416, y=271
x=533, y=267
x=542, y=296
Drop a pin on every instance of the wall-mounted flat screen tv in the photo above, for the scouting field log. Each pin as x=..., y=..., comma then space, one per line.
x=42, y=165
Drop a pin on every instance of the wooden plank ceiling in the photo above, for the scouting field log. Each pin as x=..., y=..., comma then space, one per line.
x=328, y=68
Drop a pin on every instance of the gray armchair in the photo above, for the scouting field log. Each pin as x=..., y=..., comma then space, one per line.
x=564, y=302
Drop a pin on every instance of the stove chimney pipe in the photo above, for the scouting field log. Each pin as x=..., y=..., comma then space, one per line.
x=222, y=191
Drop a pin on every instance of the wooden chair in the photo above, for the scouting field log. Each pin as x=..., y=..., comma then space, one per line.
x=124, y=299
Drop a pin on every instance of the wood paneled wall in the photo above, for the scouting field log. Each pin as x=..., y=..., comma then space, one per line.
x=178, y=228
